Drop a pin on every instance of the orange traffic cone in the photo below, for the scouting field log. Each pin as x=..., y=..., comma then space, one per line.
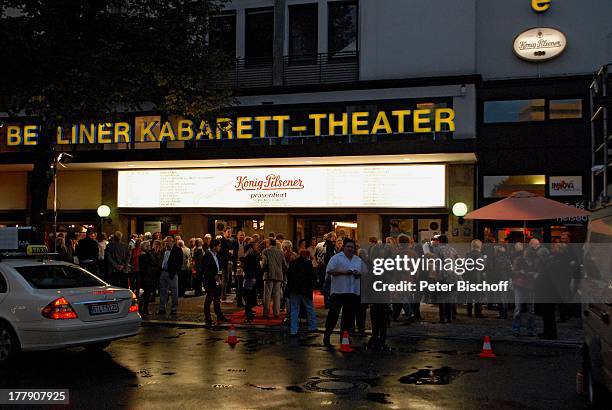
x=232, y=339
x=345, y=346
x=487, y=351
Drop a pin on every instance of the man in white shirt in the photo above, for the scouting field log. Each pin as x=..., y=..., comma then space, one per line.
x=345, y=269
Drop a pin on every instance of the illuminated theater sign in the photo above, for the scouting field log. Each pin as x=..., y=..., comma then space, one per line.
x=398, y=121
x=424, y=186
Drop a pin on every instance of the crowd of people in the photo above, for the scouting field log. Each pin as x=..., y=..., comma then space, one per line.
x=271, y=272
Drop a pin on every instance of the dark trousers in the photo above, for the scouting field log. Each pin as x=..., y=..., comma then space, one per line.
x=197, y=284
x=416, y=310
x=379, y=315
x=348, y=303
x=250, y=301
x=362, y=311
x=239, y=290
x=213, y=295
x=134, y=285
x=148, y=290
x=477, y=307
x=183, y=281
x=446, y=312
x=119, y=279
x=550, y=323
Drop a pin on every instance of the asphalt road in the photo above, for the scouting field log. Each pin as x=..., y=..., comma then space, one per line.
x=195, y=368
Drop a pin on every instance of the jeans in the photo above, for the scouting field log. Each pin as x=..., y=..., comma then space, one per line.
x=348, y=303
x=523, y=299
x=165, y=283
x=296, y=301
x=272, y=293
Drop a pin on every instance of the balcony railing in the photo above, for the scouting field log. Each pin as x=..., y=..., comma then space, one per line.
x=322, y=68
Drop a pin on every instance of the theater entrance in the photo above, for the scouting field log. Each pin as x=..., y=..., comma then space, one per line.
x=311, y=227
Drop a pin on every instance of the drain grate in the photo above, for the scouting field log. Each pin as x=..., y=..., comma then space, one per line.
x=336, y=386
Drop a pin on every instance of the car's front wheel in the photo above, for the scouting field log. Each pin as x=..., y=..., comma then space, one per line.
x=97, y=347
x=9, y=345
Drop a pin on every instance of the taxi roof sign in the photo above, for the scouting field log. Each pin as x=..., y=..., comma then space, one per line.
x=36, y=250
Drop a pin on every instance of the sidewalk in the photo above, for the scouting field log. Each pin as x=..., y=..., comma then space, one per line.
x=191, y=314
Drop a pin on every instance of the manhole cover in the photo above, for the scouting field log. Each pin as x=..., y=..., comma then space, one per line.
x=335, y=386
x=347, y=374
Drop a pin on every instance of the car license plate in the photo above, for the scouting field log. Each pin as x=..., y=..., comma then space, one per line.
x=103, y=308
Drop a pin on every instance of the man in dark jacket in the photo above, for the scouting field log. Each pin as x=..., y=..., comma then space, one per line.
x=172, y=264
x=117, y=255
x=301, y=279
x=87, y=251
x=212, y=282
x=227, y=253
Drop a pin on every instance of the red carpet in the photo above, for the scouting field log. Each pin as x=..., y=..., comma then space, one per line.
x=238, y=317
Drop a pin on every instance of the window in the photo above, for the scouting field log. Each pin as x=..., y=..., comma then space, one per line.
x=303, y=31
x=342, y=28
x=58, y=277
x=565, y=109
x=259, y=32
x=503, y=186
x=222, y=35
x=3, y=285
x=514, y=111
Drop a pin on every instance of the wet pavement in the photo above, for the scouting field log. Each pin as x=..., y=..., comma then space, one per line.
x=194, y=368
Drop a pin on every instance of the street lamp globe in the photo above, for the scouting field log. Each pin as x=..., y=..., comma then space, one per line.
x=460, y=209
x=104, y=211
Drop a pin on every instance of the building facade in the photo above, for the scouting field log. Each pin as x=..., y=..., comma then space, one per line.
x=371, y=117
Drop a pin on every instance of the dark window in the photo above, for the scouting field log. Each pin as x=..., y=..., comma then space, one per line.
x=58, y=277
x=303, y=31
x=222, y=34
x=3, y=286
x=342, y=28
x=565, y=109
x=514, y=111
x=259, y=41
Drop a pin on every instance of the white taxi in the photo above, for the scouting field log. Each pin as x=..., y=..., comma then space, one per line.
x=47, y=304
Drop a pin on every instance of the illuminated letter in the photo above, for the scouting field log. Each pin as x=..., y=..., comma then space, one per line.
x=262, y=125
x=400, y=114
x=30, y=135
x=13, y=135
x=122, y=129
x=356, y=123
x=382, y=122
x=317, y=123
x=280, y=120
x=448, y=118
x=540, y=5
x=185, y=130
x=60, y=136
x=166, y=132
x=204, y=129
x=417, y=120
x=243, y=124
x=225, y=128
x=332, y=123
x=89, y=134
x=104, y=133
x=146, y=131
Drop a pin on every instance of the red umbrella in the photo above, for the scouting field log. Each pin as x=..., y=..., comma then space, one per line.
x=525, y=206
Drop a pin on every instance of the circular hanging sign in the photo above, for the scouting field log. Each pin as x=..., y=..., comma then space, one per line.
x=540, y=44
